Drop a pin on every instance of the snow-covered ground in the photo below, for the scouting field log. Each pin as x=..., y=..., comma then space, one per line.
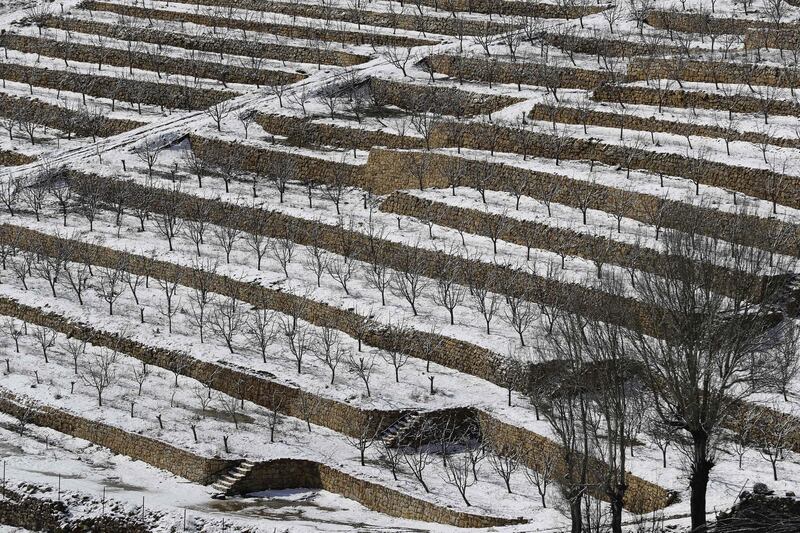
x=45, y=457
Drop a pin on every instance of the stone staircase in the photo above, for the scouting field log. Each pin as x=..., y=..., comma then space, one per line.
x=401, y=428
x=223, y=486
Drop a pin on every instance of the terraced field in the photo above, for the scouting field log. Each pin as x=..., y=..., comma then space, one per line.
x=511, y=265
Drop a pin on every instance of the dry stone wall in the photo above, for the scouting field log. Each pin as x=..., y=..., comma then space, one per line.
x=641, y=495
x=712, y=72
x=144, y=92
x=515, y=8
x=288, y=30
x=443, y=100
x=146, y=61
x=566, y=241
x=208, y=43
x=761, y=183
x=259, y=388
x=693, y=22
x=62, y=118
x=39, y=513
x=610, y=119
x=740, y=103
x=253, y=386
x=583, y=44
x=291, y=473
x=430, y=24
x=772, y=38
x=12, y=159
x=499, y=278
x=276, y=474
x=492, y=71
x=304, y=132
x=152, y=451
x=389, y=171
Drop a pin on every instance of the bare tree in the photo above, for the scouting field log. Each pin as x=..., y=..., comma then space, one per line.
x=227, y=236
x=361, y=435
x=309, y=404
x=148, y=153
x=201, y=296
x=274, y=417
x=140, y=374
x=260, y=330
x=110, y=285
x=171, y=305
x=399, y=57
x=449, y=294
x=316, y=260
x=46, y=339
x=417, y=458
x=395, y=350
x=99, y=371
x=218, y=112
x=705, y=356
x=247, y=118
x=521, y=314
x=458, y=473
x=787, y=359
x=33, y=197
x=504, y=462
x=227, y=320
x=544, y=473
x=328, y=349
x=259, y=244
x=362, y=367
x=167, y=221
x=408, y=281
x=76, y=348
x=13, y=331
x=282, y=250
x=774, y=436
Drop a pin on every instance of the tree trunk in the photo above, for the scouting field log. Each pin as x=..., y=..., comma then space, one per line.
x=576, y=516
x=699, y=482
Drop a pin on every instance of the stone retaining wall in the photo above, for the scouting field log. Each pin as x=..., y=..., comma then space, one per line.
x=588, y=44
x=154, y=452
x=135, y=91
x=441, y=99
x=563, y=240
x=740, y=103
x=641, y=496
x=440, y=25
x=760, y=183
x=252, y=386
x=610, y=119
x=771, y=38
x=304, y=132
x=498, y=278
x=288, y=30
x=158, y=63
x=80, y=122
x=38, y=513
x=13, y=159
x=291, y=473
x=388, y=171
x=208, y=43
x=515, y=8
x=693, y=22
x=492, y=71
x=712, y=72
x=274, y=474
